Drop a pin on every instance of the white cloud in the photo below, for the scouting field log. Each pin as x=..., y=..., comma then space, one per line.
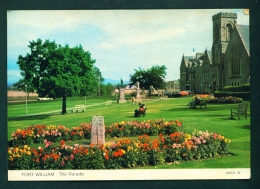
x=120, y=40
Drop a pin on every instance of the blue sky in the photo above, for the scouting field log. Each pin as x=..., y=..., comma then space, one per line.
x=119, y=40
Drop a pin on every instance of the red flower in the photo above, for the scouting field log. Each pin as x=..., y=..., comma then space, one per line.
x=115, y=154
x=55, y=157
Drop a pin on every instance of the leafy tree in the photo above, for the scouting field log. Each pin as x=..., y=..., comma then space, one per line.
x=151, y=77
x=121, y=83
x=106, y=90
x=58, y=72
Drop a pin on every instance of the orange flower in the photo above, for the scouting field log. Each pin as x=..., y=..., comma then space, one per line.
x=127, y=141
x=120, y=152
x=35, y=153
x=140, y=137
x=62, y=144
x=115, y=154
x=145, y=145
x=86, y=151
x=55, y=157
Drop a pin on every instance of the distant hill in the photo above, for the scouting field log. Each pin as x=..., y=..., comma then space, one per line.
x=114, y=82
x=111, y=81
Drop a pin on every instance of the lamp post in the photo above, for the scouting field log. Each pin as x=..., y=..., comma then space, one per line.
x=98, y=85
x=26, y=109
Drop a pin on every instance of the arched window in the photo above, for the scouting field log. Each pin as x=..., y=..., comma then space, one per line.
x=235, y=61
x=228, y=31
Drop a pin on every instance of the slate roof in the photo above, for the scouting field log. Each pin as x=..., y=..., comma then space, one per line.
x=244, y=33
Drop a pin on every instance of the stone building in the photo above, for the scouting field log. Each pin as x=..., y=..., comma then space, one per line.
x=228, y=62
x=172, y=86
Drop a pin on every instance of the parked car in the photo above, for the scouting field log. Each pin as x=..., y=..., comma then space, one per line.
x=188, y=91
x=172, y=95
x=44, y=98
x=183, y=93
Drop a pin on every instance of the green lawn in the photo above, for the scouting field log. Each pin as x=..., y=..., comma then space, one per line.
x=216, y=118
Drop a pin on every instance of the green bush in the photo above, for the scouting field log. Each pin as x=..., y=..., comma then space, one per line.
x=242, y=88
x=243, y=95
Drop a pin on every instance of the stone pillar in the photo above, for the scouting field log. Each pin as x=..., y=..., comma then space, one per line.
x=122, y=96
x=98, y=130
x=138, y=96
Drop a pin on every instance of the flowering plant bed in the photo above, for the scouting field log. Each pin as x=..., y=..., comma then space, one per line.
x=56, y=133
x=123, y=154
x=175, y=147
x=228, y=99
x=211, y=99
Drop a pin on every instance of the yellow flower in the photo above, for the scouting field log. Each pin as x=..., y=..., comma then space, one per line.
x=25, y=146
x=28, y=153
x=123, y=151
x=129, y=148
x=187, y=137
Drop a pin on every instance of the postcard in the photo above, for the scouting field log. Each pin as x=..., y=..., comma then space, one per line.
x=136, y=94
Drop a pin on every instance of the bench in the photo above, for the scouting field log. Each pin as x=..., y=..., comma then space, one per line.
x=203, y=103
x=163, y=98
x=138, y=112
x=241, y=110
x=142, y=96
x=108, y=102
x=78, y=108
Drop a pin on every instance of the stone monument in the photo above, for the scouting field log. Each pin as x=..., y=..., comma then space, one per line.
x=122, y=96
x=138, y=96
x=98, y=130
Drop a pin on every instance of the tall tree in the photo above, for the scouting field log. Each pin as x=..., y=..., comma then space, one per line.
x=151, y=77
x=58, y=72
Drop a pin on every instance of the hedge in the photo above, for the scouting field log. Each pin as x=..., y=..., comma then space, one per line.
x=243, y=95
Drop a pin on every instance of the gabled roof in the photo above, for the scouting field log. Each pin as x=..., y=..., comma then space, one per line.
x=209, y=56
x=188, y=60
x=243, y=30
